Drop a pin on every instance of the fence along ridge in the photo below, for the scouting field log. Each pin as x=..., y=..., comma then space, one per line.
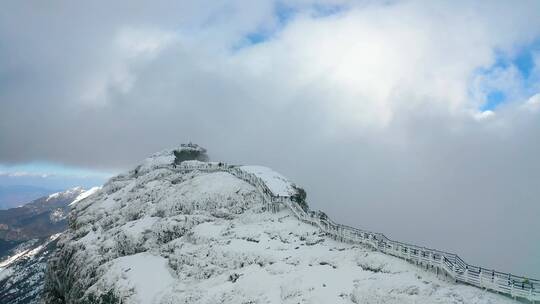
x=441, y=261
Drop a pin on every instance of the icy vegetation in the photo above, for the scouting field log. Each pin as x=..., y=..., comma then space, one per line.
x=30, y=233
x=22, y=273
x=161, y=235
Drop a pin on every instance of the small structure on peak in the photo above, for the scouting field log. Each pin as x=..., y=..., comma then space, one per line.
x=174, y=156
x=189, y=151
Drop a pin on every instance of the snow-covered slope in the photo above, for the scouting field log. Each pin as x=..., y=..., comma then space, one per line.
x=161, y=235
x=29, y=235
x=84, y=195
x=22, y=274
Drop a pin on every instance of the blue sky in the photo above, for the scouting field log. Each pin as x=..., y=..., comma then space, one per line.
x=284, y=14
x=523, y=61
x=493, y=99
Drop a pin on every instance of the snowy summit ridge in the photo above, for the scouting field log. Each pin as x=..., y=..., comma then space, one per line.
x=163, y=233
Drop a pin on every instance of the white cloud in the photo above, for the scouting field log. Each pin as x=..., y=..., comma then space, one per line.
x=133, y=43
x=533, y=103
x=116, y=73
x=484, y=115
x=24, y=174
x=370, y=63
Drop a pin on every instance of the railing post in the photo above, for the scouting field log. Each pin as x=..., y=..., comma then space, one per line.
x=480, y=276
x=511, y=285
x=454, y=270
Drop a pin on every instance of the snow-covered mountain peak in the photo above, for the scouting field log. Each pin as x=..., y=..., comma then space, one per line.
x=84, y=195
x=193, y=232
x=73, y=192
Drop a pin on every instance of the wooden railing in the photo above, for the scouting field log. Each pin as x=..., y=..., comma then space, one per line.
x=450, y=263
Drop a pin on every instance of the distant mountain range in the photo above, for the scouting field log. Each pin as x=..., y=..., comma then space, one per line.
x=12, y=196
x=28, y=235
x=40, y=218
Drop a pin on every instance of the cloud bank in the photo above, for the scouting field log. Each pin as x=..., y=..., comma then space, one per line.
x=419, y=120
